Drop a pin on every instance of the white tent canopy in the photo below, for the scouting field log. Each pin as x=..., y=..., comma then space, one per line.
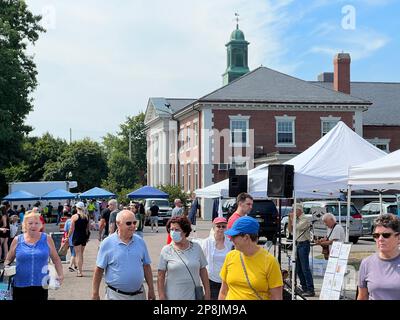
x=383, y=173
x=321, y=171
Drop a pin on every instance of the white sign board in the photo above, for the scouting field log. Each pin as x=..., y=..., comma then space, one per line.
x=335, y=271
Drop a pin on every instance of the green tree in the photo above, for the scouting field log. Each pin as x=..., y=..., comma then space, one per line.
x=18, y=29
x=120, y=143
x=175, y=192
x=121, y=173
x=86, y=161
x=37, y=155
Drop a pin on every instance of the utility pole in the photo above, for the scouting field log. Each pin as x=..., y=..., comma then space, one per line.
x=70, y=135
x=130, y=144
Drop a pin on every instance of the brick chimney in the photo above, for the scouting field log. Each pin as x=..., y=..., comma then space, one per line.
x=341, y=74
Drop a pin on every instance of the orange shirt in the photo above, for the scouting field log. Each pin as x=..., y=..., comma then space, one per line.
x=232, y=219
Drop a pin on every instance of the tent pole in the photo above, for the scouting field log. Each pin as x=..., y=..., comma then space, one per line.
x=348, y=212
x=340, y=213
x=380, y=202
x=293, y=262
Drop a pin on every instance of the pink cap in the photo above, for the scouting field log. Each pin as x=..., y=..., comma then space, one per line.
x=220, y=220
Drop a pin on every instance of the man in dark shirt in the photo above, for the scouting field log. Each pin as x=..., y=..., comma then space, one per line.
x=154, y=209
x=49, y=212
x=105, y=217
x=60, y=209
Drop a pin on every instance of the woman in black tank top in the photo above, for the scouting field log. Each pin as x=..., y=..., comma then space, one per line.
x=80, y=231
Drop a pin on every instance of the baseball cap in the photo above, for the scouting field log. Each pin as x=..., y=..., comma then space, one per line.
x=80, y=205
x=220, y=220
x=243, y=225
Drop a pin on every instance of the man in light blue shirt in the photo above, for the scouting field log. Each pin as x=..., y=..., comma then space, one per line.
x=126, y=262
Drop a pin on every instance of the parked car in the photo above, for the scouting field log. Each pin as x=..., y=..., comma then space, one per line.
x=285, y=221
x=319, y=228
x=264, y=211
x=164, y=213
x=371, y=211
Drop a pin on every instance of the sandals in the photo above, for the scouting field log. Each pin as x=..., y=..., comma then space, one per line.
x=71, y=269
x=79, y=274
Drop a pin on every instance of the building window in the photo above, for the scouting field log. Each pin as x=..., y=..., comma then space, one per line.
x=383, y=147
x=172, y=168
x=327, y=123
x=189, y=176
x=196, y=134
x=285, y=133
x=182, y=182
x=196, y=176
x=181, y=140
x=188, y=133
x=382, y=144
x=239, y=127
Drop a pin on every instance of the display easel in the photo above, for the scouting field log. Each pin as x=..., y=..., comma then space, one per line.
x=335, y=271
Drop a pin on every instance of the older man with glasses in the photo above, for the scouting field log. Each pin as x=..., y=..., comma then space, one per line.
x=124, y=257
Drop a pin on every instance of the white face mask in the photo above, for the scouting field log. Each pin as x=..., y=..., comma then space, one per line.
x=176, y=236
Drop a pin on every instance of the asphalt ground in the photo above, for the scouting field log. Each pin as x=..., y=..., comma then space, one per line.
x=80, y=288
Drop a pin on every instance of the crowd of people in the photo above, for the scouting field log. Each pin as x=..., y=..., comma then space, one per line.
x=228, y=264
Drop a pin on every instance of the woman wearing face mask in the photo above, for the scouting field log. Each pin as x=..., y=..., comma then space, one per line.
x=182, y=264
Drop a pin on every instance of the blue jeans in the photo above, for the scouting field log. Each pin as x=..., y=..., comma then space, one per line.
x=303, y=266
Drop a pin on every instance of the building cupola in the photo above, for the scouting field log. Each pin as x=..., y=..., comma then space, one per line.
x=237, y=55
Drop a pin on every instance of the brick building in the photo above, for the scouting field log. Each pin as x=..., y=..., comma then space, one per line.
x=262, y=116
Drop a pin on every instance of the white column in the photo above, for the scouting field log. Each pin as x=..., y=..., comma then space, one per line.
x=358, y=122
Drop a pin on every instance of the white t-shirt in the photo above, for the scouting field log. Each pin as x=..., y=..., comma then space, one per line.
x=337, y=233
x=13, y=229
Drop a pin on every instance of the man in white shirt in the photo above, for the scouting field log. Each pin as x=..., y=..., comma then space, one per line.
x=335, y=231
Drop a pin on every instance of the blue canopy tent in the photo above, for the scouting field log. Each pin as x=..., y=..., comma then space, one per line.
x=58, y=194
x=96, y=193
x=21, y=196
x=147, y=192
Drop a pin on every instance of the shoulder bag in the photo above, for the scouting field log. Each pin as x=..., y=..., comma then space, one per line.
x=64, y=247
x=198, y=290
x=5, y=287
x=325, y=247
x=247, y=278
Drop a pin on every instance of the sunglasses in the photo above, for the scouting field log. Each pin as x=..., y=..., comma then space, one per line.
x=221, y=226
x=386, y=235
x=128, y=223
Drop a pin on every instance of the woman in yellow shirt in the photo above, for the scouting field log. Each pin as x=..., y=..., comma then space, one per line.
x=249, y=272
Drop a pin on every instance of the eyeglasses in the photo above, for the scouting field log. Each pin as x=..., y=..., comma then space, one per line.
x=221, y=226
x=128, y=223
x=386, y=235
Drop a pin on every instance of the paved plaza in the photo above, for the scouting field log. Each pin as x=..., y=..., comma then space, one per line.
x=75, y=288
x=80, y=288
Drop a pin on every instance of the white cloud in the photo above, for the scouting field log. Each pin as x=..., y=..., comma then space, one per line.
x=361, y=43
x=102, y=61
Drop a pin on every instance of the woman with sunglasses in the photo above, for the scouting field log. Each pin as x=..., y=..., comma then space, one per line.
x=182, y=264
x=379, y=276
x=215, y=248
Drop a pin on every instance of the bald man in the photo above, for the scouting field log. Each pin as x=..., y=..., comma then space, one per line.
x=124, y=258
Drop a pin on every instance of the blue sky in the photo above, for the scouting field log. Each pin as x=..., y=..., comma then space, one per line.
x=101, y=60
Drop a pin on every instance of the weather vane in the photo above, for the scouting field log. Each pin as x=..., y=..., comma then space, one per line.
x=237, y=20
